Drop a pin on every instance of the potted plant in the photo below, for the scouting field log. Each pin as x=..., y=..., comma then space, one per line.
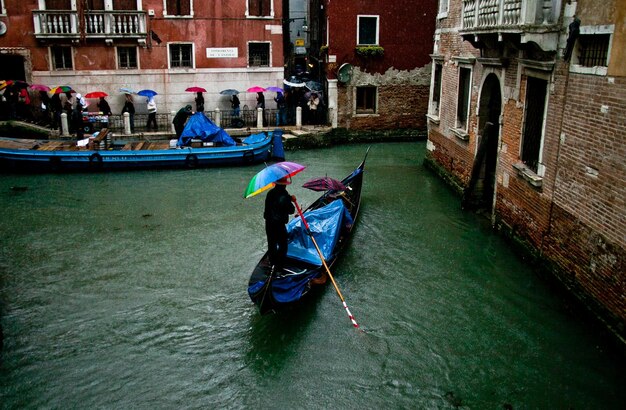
x=370, y=51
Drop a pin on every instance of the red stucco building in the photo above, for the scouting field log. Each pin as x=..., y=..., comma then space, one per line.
x=164, y=45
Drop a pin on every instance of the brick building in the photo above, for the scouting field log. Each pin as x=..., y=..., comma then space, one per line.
x=382, y=51
x=164, y=45
x=527, y=116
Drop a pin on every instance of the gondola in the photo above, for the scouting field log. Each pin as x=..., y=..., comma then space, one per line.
x=335, y=211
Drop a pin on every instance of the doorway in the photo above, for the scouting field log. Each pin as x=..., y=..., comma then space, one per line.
x=480, y=190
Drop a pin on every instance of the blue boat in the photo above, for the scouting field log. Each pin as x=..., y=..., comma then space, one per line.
x=202, y=144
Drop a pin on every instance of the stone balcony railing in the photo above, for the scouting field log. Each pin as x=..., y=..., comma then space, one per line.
x=534, y=20
x=56, y=24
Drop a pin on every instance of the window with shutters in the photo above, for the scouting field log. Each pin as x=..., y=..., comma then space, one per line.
x=127, y=57
x=61, y=58
x=367, y=30
x=534, y=121
x=58, y=5
x=436, y=90
x=443, y=9
x=463, y=98
x=181, y=55
x=178, y=8
x=366, y=100
x=260, y=8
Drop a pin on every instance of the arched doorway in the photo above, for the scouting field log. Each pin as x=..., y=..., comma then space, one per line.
x=479, y=192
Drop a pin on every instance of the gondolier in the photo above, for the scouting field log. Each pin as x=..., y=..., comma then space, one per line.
x=278, y=207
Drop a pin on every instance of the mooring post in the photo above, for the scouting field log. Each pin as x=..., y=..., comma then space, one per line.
x=65, y=130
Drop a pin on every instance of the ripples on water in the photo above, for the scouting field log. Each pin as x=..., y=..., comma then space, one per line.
x=129, y=290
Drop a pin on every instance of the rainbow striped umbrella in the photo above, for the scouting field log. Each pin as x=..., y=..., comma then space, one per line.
x=266, y=178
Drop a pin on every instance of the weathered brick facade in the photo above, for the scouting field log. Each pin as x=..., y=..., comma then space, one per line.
x=401, y=76
x=571, y=210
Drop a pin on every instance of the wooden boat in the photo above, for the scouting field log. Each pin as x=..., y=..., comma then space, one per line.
x=101, y=154
x=299, y=276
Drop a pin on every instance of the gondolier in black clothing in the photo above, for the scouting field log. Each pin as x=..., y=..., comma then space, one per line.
x=278, y=207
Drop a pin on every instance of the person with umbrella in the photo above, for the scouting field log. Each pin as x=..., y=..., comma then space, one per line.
x=278, y=207
x=281, y=104
x=152, y=110
x=77, y=116
x=199, y=102
x=260, y=100
x=181, y=118
x=129, y=107
x=234, y=100
x=103, y=106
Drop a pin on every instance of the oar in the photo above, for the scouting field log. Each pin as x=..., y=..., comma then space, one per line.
x=308, y=231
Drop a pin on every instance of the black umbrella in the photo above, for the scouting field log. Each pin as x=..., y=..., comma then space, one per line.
x=229, y=91
x=314, y=86
x=324, y=184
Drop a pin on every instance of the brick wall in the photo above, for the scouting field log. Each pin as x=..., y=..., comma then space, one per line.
x=399, y=107
x=576, y=219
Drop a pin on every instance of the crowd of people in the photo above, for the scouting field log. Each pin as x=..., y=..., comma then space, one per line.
x=44, y=108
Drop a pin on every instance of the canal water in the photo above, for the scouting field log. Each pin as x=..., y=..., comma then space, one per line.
x=128, y=290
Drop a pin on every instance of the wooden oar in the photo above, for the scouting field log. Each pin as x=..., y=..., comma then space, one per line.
x=308, y=231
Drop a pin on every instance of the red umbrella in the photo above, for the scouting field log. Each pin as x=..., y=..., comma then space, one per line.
x=96, y=94
x=256, y=89
x=324, y=184
x=196, y=90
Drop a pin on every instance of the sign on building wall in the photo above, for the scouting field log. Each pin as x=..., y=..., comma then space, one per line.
x=228, y=52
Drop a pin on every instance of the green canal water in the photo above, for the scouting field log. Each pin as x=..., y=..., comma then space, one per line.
x=128, y=290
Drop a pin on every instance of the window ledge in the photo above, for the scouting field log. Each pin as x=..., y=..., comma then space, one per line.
x=597, y=70
x=364, y=114
x=460, y=134
x=433, y=118
x=526, y=173
x=442, y=15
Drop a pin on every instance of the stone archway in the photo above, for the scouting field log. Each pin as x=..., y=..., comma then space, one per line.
x=481, y=188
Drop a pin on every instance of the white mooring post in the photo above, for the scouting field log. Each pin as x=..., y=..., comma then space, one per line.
x=126, y=123
x=65, y=130
x=173, y=114
x=218, y=117
x=259, y=117
x=299, y=118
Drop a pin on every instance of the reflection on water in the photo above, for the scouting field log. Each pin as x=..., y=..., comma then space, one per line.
x=129, y=290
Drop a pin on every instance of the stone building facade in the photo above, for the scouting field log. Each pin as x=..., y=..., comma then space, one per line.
x=164, y=45
x=527, y=117
x=376, y=62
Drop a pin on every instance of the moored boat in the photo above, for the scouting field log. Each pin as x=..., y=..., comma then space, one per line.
x=200, y=149
x=331, y=219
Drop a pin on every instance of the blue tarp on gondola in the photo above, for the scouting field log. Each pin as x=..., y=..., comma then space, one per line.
x=199, y=126
x=325, y=224
x=255, y=138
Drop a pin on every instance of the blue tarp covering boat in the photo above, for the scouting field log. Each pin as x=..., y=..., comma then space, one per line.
x=325, y=224
x=199, y=126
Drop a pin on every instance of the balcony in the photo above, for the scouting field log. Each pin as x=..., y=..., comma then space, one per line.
x=533, y=20
x=66, y=24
